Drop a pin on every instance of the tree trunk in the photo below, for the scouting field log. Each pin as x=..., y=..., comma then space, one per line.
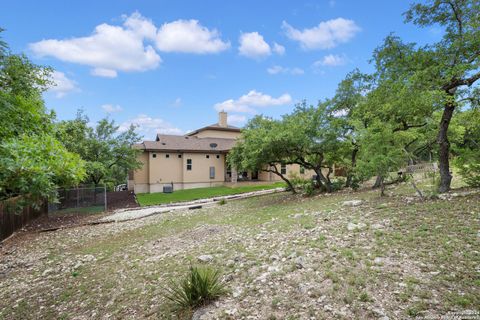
x=444, y=148
x=382, y=188
x=289, y=184
x=349, y=181
x=378, y=182
x=323, y=182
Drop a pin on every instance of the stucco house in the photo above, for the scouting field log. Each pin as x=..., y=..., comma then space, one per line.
x=194, y=160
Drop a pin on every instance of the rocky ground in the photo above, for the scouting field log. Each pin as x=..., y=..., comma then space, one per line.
x=340, y=256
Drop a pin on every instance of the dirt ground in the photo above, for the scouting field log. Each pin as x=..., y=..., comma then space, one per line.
x=121, y=200
x=348, y=255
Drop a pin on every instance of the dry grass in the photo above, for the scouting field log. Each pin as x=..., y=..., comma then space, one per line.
x=282, y=257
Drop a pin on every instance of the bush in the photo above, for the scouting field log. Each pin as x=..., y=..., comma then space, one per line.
x=304, y=186
x=338, y=184
x=468, y=165
x=199, y=286
x=222, y=202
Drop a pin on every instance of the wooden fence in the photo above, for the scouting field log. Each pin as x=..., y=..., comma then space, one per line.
x=12, y=220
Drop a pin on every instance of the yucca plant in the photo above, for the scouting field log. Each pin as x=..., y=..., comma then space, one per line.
x=199, y=286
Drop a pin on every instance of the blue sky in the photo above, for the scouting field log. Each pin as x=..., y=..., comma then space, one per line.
x=169, y=66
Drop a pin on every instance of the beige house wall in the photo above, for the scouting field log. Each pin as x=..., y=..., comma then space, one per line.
x=140, y=176
x=165, y=170
x=217, y=134
x=200, y=172
x=160, y=171
x=292, y=169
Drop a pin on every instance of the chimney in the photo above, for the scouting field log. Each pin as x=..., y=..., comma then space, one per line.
x=222, y=119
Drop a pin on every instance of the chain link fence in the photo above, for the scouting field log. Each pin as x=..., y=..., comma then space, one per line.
x=80, y=200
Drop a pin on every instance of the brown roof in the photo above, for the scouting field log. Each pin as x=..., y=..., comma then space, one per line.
x=186, y=143
x=215, y=127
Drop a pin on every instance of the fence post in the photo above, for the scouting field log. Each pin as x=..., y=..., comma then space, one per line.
x=105, y=194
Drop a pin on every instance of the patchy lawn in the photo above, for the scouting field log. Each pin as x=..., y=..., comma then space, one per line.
x=149, y=199
x=282, y=256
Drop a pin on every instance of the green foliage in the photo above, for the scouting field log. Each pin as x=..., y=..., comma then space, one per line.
x=222, y=202
x=306, y=137
x=304, y=186
x=262, y=147
x=467, y=146
x=198, y=287
x=32, y=162
x=338, y=184
x=108, y=153
x=33, y=166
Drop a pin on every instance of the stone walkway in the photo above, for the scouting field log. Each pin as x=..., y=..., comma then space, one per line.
x=131, y=214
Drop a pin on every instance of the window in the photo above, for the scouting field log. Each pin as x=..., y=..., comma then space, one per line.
x=283, y=169
x=189, y=164
x=179, y=156
x=154, y=155
x=302, y=170
x=212, y=172
x=218, y=156
x=207, y=156
x=167, y=156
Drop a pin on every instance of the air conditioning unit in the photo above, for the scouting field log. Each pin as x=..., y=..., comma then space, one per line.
x=168, y=189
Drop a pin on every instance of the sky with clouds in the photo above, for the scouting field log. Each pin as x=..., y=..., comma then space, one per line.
x=170, y=66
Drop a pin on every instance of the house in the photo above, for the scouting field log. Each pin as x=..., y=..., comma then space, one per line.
x=195, y=160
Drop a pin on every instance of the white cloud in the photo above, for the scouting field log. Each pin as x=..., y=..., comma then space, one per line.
x=102, y=72
x=177, y=103
x=62, y=85
x=189, y=36
x=253, y=99
x=252, y=45
x=236, y=119
x=108, y=49
x=110, y=108
x=331, y=60
x=278, y=49
x=149, y=127
x=284, y=70
x=328, y=34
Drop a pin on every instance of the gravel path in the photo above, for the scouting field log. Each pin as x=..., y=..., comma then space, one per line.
x=131, y=214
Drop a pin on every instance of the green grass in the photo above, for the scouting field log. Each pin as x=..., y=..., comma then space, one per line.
x=149, y=199
x=85, y=210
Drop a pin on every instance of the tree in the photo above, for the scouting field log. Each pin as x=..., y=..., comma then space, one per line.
x=341, y=108
x=33, y=166
x=261, y=148
x=32, y=162
x=453, y=66
x=304, y=137
x=310, y=140
x=107, y=153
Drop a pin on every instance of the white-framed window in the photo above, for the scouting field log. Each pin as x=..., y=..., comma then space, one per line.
x=189, y=164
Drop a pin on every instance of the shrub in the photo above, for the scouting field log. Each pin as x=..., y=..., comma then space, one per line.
x=199, y=286
x=222, y=202
x=469, y=167
x=338, y=184
x=304, y=186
